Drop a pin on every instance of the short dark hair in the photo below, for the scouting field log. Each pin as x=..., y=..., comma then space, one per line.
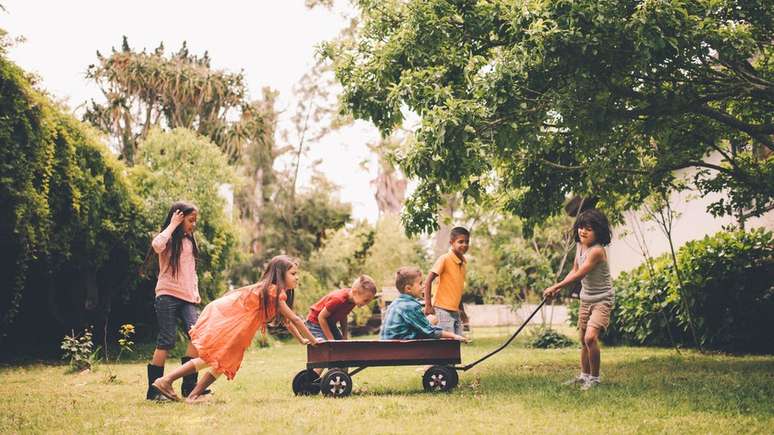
x=406, y=275
x=458, y=231
x=597, y=221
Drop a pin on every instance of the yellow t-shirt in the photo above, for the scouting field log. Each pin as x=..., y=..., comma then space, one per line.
x=451, y=281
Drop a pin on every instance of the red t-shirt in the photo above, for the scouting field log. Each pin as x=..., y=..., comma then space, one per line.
x=338, y=304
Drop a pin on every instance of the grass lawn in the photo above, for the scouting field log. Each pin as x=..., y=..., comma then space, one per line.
x=644, y=390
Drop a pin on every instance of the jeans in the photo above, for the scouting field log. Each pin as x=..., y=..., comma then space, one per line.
x=315, y=329
x=168, y=310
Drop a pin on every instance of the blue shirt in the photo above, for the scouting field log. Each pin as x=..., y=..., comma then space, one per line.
x=405, y=321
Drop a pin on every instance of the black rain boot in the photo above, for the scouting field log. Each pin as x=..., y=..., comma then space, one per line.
x=154, y=372
x=189, y=382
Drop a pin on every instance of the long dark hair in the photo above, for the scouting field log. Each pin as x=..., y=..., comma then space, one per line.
x=176, y=241
x=597, y=221
x=274, y=274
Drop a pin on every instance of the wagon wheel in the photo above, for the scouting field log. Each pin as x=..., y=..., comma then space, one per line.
x=336, y=383
x=440, y=378
x=306, y=383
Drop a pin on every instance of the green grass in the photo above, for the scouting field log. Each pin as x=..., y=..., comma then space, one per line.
x=644, y=390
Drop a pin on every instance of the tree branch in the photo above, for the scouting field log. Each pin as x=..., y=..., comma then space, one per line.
x=758, y=132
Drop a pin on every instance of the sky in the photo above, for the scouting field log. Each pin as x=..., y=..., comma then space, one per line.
x=273, y=42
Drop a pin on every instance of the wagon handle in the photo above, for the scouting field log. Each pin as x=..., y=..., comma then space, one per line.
x=504, y=345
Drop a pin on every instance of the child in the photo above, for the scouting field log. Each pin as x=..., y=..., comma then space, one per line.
x=227, y=326
x=177, y=290
x=592, y=232
x=405, y=320
x=450, y=269
x=335, y=307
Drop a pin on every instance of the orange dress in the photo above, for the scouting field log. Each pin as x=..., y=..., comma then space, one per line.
x=227, y=326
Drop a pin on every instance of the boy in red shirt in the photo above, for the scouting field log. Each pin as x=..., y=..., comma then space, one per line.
x=335, y=307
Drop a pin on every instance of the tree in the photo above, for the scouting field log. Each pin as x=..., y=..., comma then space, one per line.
x=522, y=103
x=389, y=183
x=72, y=230
x=508, y=266
x=181, y=165
x=150, y=90
x=317, y=215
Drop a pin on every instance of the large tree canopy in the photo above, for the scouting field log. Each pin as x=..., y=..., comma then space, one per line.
x=523, y=102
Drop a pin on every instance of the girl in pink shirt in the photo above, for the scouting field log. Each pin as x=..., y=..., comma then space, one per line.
x=177, y=290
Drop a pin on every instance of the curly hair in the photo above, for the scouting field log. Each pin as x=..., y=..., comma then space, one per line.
x=597, y=222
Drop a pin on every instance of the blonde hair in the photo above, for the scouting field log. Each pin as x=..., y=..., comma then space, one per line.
x=365, y=282
x=406, y=275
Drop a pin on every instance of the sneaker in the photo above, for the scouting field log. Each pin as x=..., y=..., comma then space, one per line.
x=589, y=384
x=580, y=379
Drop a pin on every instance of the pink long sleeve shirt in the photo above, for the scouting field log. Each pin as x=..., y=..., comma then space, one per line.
x=184, y=285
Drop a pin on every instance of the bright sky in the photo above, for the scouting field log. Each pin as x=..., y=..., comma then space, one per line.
x=272, y=41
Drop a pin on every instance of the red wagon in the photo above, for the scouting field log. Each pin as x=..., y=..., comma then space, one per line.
x=442, y=355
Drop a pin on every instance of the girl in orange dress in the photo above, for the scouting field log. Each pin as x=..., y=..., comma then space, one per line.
x=227, y=326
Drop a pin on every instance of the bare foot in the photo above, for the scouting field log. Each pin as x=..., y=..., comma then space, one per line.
x=165, y=388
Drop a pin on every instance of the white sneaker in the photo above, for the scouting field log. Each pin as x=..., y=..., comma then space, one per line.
x=580, y=379
x=589, y=384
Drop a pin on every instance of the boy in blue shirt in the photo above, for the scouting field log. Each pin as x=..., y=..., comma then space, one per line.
x=405, y=320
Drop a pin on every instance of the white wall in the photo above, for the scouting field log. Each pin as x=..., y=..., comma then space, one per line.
x=693, y=222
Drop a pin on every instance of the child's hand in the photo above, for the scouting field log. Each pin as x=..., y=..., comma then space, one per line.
x=550, y=292
x=304, y=341
x=462, y=338
x=177, y=218
x=428, y=310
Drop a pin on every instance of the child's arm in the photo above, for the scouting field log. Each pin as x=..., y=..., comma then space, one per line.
x=416, y=320
x=296, y=321
x=447, y=334
x=322, y=319
x=344, y=329
x=294, y=331
x=428, y=289
x=578, y=273
x=159, y=242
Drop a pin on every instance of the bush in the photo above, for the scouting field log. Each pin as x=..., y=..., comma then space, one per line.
x=543, y=337
x=728, y=287
x=71, y=228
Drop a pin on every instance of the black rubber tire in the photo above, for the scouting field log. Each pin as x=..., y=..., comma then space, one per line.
x=336, y=383
x=306, y=383
x=440, y=378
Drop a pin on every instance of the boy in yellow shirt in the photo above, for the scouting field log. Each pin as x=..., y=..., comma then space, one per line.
x=450, y=270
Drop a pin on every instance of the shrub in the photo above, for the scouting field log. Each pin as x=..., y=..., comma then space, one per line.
x=728, y=286
x=543, y=337
x=79, y=350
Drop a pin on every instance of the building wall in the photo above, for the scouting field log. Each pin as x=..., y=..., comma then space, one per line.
x=692, y=222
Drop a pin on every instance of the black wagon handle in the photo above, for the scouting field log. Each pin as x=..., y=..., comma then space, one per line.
x=504, y=345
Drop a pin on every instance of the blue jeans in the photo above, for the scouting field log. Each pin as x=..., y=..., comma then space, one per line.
x=315, y=329
x=449, y=320
x=168, y=310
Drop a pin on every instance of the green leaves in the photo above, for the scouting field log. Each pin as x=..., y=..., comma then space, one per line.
x=592, y=97
x=182, y=165
x=728, y=285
